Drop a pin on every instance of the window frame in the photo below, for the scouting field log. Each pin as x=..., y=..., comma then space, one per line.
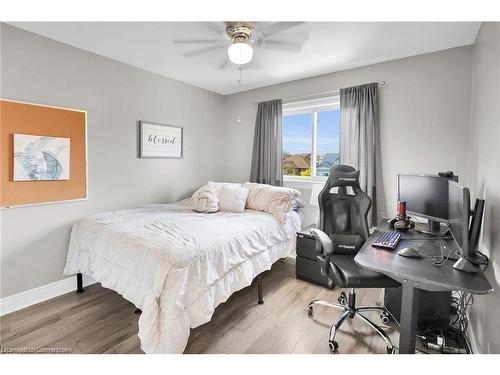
x=313, y=106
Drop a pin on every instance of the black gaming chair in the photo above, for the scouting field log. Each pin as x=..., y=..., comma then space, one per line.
x=343, y=229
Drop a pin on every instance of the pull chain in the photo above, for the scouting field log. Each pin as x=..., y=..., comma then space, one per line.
x=239, y=83
x=239, y=80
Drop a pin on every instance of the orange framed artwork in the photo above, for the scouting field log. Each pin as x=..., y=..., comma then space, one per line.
x=43, y=154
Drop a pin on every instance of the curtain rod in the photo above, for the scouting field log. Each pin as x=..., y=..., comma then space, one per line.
x=287, y=100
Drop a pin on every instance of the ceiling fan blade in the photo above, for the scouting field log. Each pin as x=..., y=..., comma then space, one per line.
x=200, y=51
x=282, y=45
x=217, y=27
x=195, y=41
x=278, y=27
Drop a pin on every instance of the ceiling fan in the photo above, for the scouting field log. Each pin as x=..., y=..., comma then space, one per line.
x=241, y=39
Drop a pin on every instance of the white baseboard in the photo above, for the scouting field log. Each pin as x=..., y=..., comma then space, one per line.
x=43, y=293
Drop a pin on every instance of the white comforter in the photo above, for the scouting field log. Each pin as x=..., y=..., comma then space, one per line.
x=177, y=265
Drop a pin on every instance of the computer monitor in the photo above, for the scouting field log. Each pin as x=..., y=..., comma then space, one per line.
x=459, y=214
x=466, y=236
x=426, y=196
x=475, y=225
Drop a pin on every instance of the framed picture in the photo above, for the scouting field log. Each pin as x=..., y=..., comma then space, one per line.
x=159, y=141
x=41, y=158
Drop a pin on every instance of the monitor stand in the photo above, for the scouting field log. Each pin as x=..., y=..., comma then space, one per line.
x=464, y=265
x=434, y=226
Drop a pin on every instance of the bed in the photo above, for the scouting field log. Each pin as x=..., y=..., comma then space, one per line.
x=177, y=265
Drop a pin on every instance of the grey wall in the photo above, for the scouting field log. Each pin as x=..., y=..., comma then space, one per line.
x=485, y=162
x=424, y=113
x=424, y=124
x=115, y=96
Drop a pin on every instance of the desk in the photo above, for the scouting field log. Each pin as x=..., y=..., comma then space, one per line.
x=417, y=273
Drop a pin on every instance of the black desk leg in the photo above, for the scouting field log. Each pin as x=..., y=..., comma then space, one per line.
x=408, y=328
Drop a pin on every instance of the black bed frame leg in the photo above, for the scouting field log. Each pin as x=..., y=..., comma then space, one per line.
x=259, y=289
x=79, y=283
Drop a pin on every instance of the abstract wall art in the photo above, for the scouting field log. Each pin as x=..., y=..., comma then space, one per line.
x=41, y=158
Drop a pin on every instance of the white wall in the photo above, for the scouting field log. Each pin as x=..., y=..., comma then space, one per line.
x=485, y=166
x=35, y=69
x=424, y=115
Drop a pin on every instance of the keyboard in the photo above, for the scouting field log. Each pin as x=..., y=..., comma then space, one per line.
x=388, y=240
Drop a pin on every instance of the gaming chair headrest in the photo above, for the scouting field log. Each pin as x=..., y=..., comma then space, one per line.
x=343, y=175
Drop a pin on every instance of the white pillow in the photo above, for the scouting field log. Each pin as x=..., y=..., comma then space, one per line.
x=214, y=187
x=203, y=188
x=232, y=198
x=205, y=200
x=217, y=186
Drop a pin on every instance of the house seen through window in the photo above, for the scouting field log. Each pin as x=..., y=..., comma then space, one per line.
x=311, y=138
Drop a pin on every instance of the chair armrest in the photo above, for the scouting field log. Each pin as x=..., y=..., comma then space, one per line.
x=324, y=244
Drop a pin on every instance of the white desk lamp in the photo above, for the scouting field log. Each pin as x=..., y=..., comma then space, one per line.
x=316, y=189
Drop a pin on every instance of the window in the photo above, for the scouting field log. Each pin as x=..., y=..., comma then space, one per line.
x=311, y=137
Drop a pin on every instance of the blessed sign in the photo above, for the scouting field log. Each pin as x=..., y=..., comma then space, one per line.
x=160, y=141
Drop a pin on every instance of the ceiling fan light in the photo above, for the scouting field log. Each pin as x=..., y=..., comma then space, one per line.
x=240, y=53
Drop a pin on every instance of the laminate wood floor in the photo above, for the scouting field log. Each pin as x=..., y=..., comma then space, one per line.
x=101, y=321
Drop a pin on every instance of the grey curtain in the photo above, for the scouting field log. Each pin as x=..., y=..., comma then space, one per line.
x=360, y=142
x=267, y=144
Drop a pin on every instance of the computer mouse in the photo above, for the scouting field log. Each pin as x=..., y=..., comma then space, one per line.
x=409, y=252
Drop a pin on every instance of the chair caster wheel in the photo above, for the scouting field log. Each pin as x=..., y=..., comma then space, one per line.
x=384, y=318
x=310, y=311
x=333, y=345
x=342, y=298
x=389, y=350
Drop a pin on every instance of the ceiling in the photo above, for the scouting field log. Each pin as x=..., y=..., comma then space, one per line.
x=325, y=47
